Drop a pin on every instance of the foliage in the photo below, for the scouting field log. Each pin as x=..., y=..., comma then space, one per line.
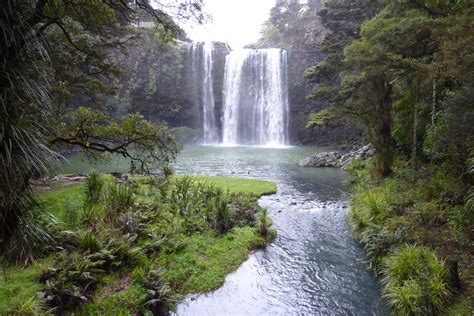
x=150, y=255
x=263, y=223
x=95, y=133
x=18, y=290
x=50, y=53
x=387, y=68
x=222, y=214
x=94, y=184
x=35, y=236
x=413, y=213
x=415, y=281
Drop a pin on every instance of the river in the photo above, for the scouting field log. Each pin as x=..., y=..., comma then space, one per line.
x=314, y=266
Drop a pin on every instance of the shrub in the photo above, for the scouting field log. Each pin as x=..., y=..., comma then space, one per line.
x=264, y=223
x=461, y=221
x=378, y=241
x=369, y=208
x=428, y=213
x=183, y=193
x=119, y=197
x=88, y=241
x=71, y=282
x=33, y=306
x=222, y=215
x=244, y=208
x=34, y=237
x=93, y=188
x=415, y=281
x=168, y=171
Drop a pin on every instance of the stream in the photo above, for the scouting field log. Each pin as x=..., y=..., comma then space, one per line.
x=314, y=266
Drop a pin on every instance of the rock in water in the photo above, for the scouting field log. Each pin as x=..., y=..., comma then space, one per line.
x=335, y=159
x=324, y=159
x=363, y=153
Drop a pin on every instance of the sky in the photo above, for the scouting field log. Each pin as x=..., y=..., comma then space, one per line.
x=237, y=22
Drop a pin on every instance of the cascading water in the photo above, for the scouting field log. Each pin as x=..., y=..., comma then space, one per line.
x=202, y=65
x=255, y=110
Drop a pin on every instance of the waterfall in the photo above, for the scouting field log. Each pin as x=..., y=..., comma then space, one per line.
x=202, y=66
x=255, y=109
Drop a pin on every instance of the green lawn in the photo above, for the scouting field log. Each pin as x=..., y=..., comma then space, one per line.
x=240, y=185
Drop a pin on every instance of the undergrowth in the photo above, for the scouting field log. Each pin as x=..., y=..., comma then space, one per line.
x=411, y=224
x=136, y=246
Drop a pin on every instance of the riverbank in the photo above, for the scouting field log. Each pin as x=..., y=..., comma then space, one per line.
x=142, y=244
x=417, y=230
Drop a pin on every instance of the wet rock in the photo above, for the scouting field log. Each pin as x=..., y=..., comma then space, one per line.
x=363, y=153
x=324, y=159
x=335, y=159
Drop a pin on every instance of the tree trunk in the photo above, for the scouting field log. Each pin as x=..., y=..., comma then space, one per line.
x=454, y=281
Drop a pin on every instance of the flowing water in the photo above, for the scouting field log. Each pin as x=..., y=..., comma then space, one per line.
x=255, y=110
x=254, y=94
x=314, y=266
x=202, y=82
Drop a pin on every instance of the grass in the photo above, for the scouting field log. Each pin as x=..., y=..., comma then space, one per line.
x=239, y=185
x=191, y=262
x=21, y=285
x=201, y=266
x=64, y=202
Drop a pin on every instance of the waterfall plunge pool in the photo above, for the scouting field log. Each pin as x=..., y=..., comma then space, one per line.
x=314, y=266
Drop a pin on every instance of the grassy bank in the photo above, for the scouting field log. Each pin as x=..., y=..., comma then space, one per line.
x=137, y=246
x=416, y=227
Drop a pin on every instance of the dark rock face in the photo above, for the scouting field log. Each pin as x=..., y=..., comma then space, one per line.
x=303, y=53
x=336, y=159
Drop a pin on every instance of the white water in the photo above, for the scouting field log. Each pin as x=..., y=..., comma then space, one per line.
x=209, y=119
x=255, y=110
x=202, y=73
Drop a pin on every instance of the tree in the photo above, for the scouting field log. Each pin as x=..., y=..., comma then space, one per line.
x=68, y=41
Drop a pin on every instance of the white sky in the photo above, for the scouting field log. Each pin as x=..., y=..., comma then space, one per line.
x=237, y=22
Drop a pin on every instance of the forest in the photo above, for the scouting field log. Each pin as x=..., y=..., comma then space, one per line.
x=325, y=168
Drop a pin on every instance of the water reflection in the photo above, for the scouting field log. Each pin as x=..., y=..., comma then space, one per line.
x=314, y=266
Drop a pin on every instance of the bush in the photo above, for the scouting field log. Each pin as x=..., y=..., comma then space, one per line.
x=369, y=208
x=264, y=223
x=461, y=221
x=222, y=215
x=428, y=213
x=119, y=197
x=93, y=189
x=71, y=282
x=378, y=241
x=415, y=281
